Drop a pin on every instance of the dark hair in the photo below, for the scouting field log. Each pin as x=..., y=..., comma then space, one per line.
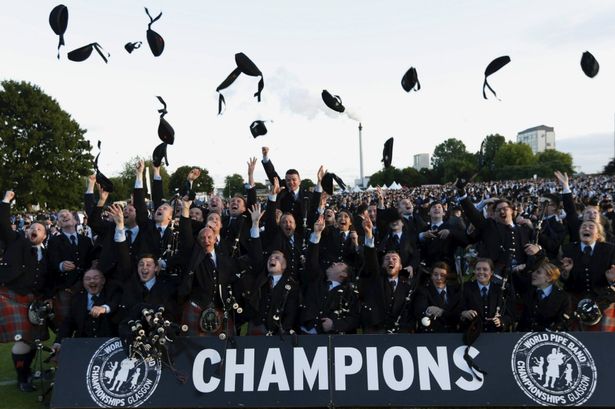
x=148, y=255
x=292, y=172
x=485, y=260
x=441, y=265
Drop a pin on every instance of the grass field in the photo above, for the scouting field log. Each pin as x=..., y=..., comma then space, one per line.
x=10, y=396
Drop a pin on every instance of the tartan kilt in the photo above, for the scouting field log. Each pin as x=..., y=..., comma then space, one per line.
x=191, y=316
x=14, y=318
x=61, y=306
x=608, y=318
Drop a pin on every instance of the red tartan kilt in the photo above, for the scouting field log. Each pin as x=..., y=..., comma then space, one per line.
x=61, y=306
x=14, y=318
x=192, y=315
x=608, y=319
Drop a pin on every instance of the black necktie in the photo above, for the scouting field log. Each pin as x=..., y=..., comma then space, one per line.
x=160, y=231
x=34, y=252
x=270, y=282
x=434, y=227
x=587, y=254
x=73, y=240
x=541, y=294
x=393, y=284
x=443, y=296
x=129, y=236
x=483, y=294
x=210, y=258
x=396, y=240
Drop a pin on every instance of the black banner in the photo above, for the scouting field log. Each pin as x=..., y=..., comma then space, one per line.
x=565, y=369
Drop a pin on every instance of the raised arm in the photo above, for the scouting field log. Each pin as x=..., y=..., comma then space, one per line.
x=268, y=166
x=157, y=188
x=6, y=232
x=121, y=246
x=255, y=246
x=139, y=195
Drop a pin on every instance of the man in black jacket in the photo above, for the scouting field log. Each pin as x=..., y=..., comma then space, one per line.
x=91, y=310
x=330, y=303
x=274, y=295
x=69, y=255
x=208, y=282
x=386, y=296
x=142, y=286
x=292, y=198
x=23, y=279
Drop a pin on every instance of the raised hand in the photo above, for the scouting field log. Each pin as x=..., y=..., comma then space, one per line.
x=8, y=196
x=256, y=214
x=367, y=227
x=321, y=173
x=117, y=214
x=319, y=225
x=251, y=166
x=275, y=188
x=562, y=178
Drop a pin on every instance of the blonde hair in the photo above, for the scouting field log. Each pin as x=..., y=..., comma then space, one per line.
x=552, y=271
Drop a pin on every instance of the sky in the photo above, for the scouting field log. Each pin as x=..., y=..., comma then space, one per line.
x=356, y=49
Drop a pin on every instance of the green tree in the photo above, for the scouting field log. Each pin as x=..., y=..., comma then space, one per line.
x=385, y=176
x=124, y=183
x=449, y=149
x=259, y=186
x=43, y=153
x=490, y=147
x=609, y=169
x=307, y=184
x=551, y=160
x=204, y=183
x=515, y=161
x=233, y=184
x=451, y=159
x=411, y=177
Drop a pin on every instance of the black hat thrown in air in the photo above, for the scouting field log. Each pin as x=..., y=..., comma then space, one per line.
x=83, y=53
x=589, y=64
x=58, y=20
x=101, y=179
x=166, y=133
x=160, y=152
x=410, y=80
x=387, y=153
x=333, y=101
x=155, y=40
x=493, y=67
x=130, y=47
x=258, y=128
x=327, y=182
x=245, y=66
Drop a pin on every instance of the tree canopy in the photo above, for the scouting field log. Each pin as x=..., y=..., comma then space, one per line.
x=233, y=184
x=44, y=156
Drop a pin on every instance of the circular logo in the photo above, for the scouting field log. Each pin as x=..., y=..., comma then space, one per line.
x=115, y=380
x=554, y=368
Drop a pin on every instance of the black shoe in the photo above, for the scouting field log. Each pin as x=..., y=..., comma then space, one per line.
x=26, y=387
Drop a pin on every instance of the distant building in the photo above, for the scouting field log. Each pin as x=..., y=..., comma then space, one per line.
x=421, y=160
x=539, y=138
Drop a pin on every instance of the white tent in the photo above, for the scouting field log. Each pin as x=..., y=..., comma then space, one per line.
x=356, y=189
x=370, y=188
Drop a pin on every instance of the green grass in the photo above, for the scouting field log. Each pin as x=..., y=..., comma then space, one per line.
x=10, y=396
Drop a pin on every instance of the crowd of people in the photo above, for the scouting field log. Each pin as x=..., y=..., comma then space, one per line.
x=527, y=255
